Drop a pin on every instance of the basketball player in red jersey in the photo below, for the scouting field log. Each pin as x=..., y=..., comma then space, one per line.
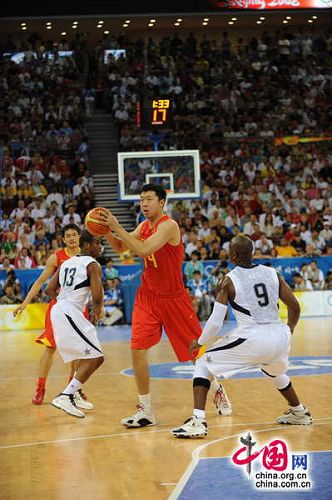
x=162, y=300
x=71, y=236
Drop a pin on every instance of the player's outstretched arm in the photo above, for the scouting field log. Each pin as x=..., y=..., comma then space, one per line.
x=34, y=290
x=293, y=307
x=53, y=285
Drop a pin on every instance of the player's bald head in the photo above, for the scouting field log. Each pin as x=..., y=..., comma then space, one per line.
x=241, y=248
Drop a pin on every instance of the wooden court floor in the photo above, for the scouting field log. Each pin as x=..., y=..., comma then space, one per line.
x=47, y=454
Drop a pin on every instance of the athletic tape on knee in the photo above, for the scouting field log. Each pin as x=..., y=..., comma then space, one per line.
x=281, y=381
x=202, y=382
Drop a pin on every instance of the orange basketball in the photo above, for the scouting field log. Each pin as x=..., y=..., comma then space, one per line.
x=94, y=224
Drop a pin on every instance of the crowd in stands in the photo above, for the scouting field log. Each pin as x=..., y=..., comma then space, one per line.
x=45, y=177
x=260, y=88
x=232, y=100
x=113, y=297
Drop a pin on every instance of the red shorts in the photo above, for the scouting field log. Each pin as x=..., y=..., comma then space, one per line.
x=174, y=312
x=47, y=338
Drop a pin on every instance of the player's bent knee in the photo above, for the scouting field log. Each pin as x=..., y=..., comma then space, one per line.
x=281, y=382
x=139, y=353
x=284, y=383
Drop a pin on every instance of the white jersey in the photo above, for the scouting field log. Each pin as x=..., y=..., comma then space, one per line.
x=74, y=281
x=256, y=295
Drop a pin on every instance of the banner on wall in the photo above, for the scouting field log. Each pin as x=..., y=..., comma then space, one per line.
x=317, y=303
x=32, y=318
x=130, y=276
x=270, y=4
x=293, y=140
x=131, y=273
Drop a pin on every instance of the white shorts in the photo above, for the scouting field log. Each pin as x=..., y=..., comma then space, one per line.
x=263, y=346
x=75, y=336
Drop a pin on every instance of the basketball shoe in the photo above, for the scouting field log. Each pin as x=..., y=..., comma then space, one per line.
x=81, y=401
x=301, y=417
x=192, y=428
x=142, y=418
x=66, y=403
x=221, y=401
x=39, y=395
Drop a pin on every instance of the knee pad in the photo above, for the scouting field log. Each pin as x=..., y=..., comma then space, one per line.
x=202, y=382
x=280, y=381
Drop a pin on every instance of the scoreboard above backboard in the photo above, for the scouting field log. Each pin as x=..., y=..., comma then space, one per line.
x=154, y=112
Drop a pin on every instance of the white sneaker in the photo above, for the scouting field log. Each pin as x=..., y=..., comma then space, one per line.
x=292, y=417
x=66, y=403
x=142, y=418
x=221, y=401
x=80, y=402
x=192, y=428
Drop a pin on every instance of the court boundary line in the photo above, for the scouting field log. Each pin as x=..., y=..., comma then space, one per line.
x=112, y=374
x=49, y=377
x=195, y=458
x=130, y=433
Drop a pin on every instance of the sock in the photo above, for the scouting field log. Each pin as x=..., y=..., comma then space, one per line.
x=72, y=387
x=145, y=400
x=41, y=381
x=199, y=414
x=214, y=384
x=297, y=408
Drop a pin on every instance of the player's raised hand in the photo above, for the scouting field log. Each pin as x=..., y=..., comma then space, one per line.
x=194, y=346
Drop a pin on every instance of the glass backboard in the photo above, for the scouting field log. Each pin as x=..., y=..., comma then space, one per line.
x=177, y=171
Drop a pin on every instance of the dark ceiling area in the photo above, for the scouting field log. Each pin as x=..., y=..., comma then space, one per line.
x=100, y=7
x=105, y=8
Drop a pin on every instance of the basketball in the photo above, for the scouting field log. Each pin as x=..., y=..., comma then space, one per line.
x=94, y=224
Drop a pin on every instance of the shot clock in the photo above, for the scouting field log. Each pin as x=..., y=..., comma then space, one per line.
x=154, y=112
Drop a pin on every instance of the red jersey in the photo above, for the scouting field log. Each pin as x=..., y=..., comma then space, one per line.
x=162, y=269
x=60, y=256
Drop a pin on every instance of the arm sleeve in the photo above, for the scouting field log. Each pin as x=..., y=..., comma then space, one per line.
x=214, y=323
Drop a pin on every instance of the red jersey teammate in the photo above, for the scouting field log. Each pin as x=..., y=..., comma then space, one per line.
x=71, y=236
x=162, y=300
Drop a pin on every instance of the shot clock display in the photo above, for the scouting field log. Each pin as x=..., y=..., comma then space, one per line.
x=154, y=112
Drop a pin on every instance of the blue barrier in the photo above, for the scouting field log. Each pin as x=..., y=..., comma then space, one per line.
x=130, y=275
